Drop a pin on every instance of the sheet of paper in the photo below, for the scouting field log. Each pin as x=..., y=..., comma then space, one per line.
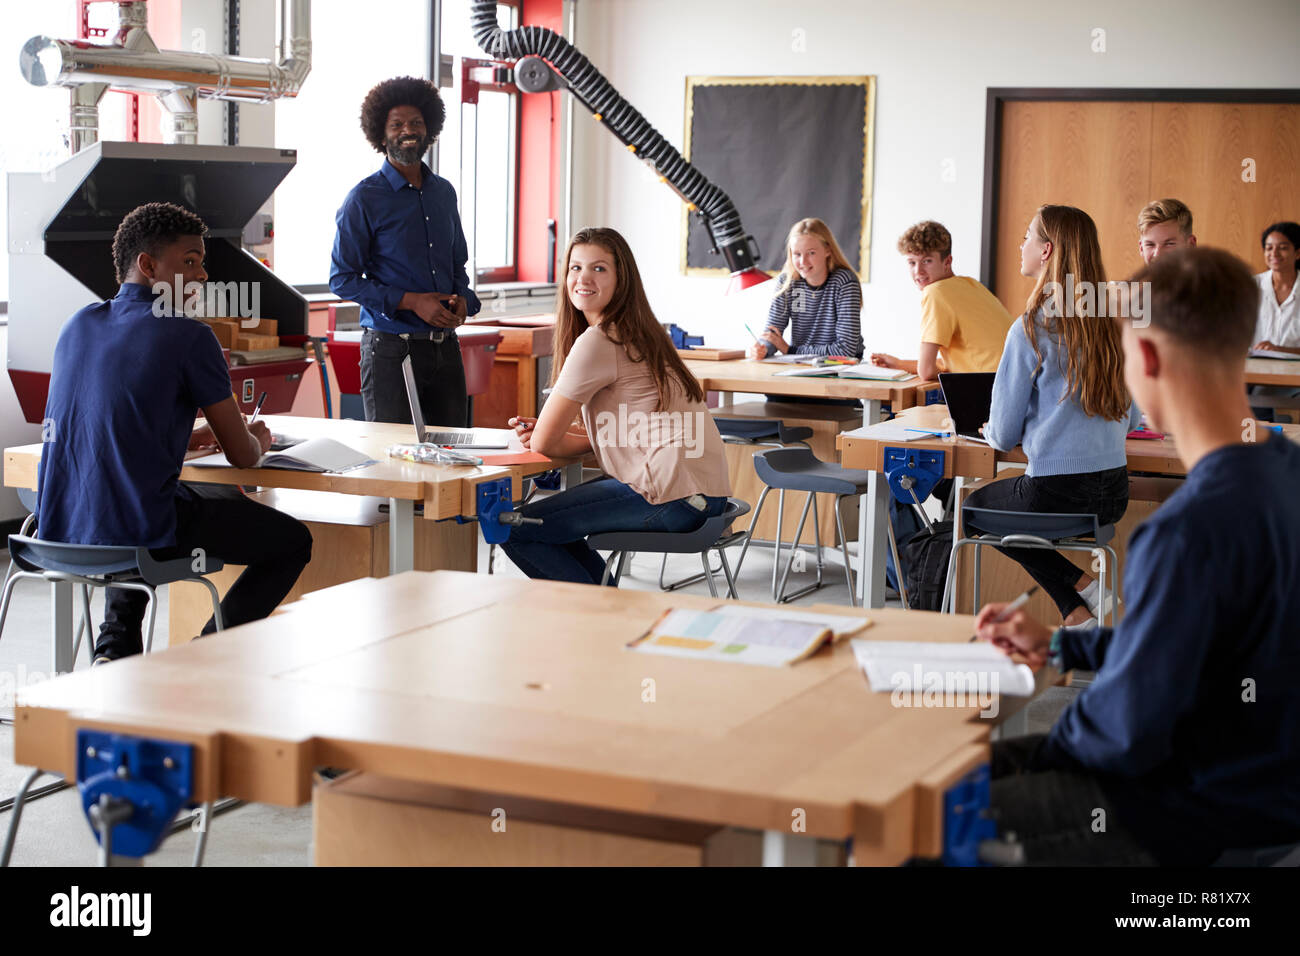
x=891, y=431
x=941, y=668
x=868, y=371
x=742, y=639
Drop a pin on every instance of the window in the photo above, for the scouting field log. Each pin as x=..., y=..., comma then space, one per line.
x=479, y=149
x=34, y=136
x=351, y=52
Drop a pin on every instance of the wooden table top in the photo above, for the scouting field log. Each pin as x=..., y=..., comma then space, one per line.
x=525, y=687
x=1272, y=372
x=971, y=459
x=742, y=375
x=446, y=490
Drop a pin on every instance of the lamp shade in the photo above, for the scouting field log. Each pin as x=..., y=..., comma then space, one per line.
x=745, y=279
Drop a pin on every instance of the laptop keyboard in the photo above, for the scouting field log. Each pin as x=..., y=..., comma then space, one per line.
x=450, y=438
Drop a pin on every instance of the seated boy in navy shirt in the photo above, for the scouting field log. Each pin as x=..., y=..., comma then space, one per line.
x=128, y=381
x=1186, y=744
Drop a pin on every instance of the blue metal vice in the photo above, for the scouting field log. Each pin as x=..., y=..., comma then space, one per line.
x=131, y=788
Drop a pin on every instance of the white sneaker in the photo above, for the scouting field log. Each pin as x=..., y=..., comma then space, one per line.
x=1091, y=599
x=1085, y=626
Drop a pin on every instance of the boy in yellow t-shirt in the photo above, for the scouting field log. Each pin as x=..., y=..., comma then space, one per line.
x=963, y=325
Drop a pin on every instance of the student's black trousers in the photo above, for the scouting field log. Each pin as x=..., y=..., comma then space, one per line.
x=439, y=378
x=225, y=525
x=1060, y=817
x=1101, y=493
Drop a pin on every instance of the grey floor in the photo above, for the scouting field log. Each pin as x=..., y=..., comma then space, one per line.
x=54, y=831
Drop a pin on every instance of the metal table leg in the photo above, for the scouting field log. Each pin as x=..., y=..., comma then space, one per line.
x=788, y=849
x=401, y=535
x=61, y=614
x=571, y=476
x=873, y=518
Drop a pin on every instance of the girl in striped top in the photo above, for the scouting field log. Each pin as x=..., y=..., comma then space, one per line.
x=818, y=296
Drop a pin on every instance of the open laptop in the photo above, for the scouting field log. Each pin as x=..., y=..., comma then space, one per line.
x=468, y=438
x=968, y=395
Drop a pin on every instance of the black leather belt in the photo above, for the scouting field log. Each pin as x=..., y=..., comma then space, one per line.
x=433, y=335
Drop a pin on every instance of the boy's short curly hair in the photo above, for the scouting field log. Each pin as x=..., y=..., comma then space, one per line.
x=400, y=91
x=928, y=236
x=148, y=229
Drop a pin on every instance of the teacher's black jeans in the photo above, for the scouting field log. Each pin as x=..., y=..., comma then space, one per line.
x=1101, y=493
x=439, y=378
x=217, y=521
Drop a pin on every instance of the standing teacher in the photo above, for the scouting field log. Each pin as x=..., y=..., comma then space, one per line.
x=400, y=254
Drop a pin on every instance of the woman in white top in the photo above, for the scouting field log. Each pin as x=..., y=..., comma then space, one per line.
x=1278, y=328
x=1279, y=303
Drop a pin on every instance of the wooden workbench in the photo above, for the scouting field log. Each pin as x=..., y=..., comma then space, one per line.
x=525, y=688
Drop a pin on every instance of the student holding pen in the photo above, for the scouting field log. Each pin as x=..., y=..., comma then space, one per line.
x=667, y=471
x=818, y=297
x=1185, y=745
x=128, y=381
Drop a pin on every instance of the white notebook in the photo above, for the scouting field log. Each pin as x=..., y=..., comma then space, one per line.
x=947, y=668
x=863, y=371
x=1270, y=354
x=314, y=454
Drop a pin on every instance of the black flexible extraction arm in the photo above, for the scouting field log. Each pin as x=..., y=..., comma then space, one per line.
x=540, y=52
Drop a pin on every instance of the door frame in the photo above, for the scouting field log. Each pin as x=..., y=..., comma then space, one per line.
x=999, y=95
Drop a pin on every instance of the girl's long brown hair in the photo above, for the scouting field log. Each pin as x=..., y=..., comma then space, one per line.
x=628, y=320
x=1091, y=353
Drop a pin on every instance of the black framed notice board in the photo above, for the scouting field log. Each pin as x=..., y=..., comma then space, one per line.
x=783, y=148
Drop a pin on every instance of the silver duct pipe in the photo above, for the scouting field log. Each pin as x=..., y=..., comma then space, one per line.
x=135, y=64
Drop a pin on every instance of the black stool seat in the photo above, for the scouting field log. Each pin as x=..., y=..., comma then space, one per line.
x=798, y=469
x=664, y=542
x=1050, y=526
x=757, y=429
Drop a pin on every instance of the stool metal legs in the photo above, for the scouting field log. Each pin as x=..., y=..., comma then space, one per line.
x=780, y=596
x=17, y=812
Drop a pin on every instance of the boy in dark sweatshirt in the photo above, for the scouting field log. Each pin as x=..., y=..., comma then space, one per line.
x=1188, y=742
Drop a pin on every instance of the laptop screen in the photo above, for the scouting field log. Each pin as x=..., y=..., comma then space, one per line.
x=968, y=395
x=413, y=396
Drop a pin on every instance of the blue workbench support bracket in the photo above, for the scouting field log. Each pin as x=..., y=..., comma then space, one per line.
x=146, y=781
x=966, y=821
x=911, y=470
x=933, y=396
x=492, y=501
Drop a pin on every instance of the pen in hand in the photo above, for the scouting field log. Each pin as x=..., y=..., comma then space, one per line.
x=1010, y=609
x=257, y=408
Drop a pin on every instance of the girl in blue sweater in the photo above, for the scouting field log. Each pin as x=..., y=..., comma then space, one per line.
x=1060, y=393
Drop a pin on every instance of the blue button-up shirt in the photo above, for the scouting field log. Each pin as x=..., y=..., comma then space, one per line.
x=394, y=238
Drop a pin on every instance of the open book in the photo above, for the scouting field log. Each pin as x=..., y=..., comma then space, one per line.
x=1270, y=354
x=864, y=371
x=314, y=454
x=747, y=635
x=916, y=667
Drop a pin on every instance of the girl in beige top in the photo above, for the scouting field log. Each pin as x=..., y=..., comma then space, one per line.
x=642, y=415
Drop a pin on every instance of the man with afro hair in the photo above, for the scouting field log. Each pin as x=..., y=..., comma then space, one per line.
x=400, y=254
x=129, y=377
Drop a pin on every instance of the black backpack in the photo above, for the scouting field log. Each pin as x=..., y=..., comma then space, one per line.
x=925, y=563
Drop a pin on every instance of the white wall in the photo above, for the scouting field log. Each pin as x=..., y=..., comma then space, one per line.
x=934, y=62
